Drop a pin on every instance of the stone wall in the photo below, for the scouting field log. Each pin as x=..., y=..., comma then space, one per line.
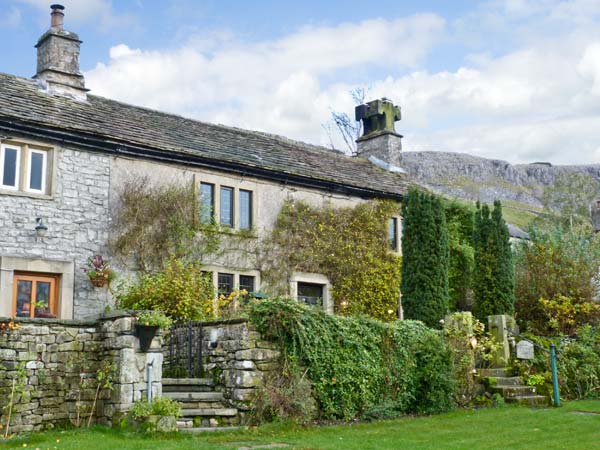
x=55, y=363
x=239, y=362
x=77, y=216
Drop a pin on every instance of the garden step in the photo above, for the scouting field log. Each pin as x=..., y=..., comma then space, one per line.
x=509, y=381
x=224, y=412
x=186, y=385
x=529, y=400
x=185, y=406
x=195, y=396
x=188, y=381
x=513, y=391
x=493, y=372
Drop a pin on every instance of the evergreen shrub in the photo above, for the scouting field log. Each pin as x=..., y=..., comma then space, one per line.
x=357, y=364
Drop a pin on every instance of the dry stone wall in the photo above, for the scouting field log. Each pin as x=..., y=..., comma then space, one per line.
x=55, y=362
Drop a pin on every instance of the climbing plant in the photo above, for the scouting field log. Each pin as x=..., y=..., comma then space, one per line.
x=348, y=245
x=153, y=223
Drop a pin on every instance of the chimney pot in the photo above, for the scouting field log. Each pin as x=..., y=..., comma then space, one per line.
x=57, y=16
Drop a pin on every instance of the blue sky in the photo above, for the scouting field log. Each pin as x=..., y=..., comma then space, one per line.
x=511, y=79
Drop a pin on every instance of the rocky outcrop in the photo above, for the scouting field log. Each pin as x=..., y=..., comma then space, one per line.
x=475, y=178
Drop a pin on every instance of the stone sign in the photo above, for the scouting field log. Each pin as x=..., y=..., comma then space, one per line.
x=524, y=350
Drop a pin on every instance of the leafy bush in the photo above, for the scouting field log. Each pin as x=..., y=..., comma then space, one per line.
x=160, y=406
x=578, y=364
x=181, y=290
x=561, y=267
x=357, y=364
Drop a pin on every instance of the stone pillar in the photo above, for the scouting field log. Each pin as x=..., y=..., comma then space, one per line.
x=122, y=347
x=497, y=326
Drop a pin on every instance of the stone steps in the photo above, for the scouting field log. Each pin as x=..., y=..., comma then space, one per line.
x=185, y=397
x=202, y=407
x=512, y=389
x=188, y=385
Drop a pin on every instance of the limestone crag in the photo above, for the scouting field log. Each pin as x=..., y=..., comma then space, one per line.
x=475, y=178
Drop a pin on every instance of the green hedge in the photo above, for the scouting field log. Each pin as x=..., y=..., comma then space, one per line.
x=357, y=365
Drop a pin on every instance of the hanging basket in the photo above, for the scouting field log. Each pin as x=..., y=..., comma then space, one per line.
x=99, y=281
x=145, y=334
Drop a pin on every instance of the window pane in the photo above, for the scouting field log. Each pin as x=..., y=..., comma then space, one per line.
x=393, y=233
x=310, y=294
x=225, y=283
x=207, y=202
x=226, y=206
x=23, y=298
x=9, y=171
x=245, y=210
x=36, y=173
x=247, y=282
x=42, y=300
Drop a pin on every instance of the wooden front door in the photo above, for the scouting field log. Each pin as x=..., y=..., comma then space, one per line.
x=35, y=295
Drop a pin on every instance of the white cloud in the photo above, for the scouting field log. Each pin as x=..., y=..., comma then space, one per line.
x=273, y=86
x=535, y=98
x=98, y=12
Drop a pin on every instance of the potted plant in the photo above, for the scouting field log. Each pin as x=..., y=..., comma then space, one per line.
x=98, y=271
x=42, y=310
x=147, y=325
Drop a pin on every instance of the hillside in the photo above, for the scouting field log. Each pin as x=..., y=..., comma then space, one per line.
x=520, y=186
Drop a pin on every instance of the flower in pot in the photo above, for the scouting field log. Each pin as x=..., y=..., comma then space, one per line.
x=147, y=325
x=98, y=271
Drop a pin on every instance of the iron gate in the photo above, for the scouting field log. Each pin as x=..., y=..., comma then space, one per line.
x=183, y=351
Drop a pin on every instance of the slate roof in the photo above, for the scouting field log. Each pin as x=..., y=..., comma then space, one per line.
x=22, y=102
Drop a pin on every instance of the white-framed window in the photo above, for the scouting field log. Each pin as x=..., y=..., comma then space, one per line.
x=10, y=167
x=37, y=169
x=393, y=234
x=25, y=168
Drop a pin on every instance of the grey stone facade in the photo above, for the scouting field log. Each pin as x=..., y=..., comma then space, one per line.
x=77, y=216
x=60, y=360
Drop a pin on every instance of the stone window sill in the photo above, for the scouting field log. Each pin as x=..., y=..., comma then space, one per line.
x=26, y=194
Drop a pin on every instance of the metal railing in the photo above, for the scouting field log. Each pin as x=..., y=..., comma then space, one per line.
x=552, y=353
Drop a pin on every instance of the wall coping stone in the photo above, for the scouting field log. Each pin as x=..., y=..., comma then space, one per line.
x=40, y=321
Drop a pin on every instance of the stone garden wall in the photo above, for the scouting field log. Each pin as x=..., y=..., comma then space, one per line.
x=239, y=362
x=54, y=364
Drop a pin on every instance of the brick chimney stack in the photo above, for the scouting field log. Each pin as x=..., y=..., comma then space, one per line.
x=58, y=59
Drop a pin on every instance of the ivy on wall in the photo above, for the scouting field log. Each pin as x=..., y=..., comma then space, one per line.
x=348, y=245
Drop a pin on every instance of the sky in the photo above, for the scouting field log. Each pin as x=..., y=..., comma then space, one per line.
x=517, y=80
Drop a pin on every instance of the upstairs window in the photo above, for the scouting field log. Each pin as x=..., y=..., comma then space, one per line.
x=10, y=158
x=226, y=208
x=245, y=210
x=37, y=162
x=310, y=294
x=23, y=168
x=207, y=203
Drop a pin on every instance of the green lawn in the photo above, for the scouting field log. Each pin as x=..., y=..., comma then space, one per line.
x=572, y=427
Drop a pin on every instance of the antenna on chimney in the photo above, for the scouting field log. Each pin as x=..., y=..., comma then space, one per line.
x=58, y=16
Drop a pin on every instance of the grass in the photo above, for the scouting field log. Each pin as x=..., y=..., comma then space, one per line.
x=574, y=426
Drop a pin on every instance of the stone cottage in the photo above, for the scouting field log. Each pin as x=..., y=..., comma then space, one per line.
x=64, y=153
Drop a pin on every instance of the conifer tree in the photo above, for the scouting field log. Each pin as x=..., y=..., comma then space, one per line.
x=493, y=280
x=424, y=258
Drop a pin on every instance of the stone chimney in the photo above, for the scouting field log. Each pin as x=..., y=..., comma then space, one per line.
x=58, y=59
x=379, y=138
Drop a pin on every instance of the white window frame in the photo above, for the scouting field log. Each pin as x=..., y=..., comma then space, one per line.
x=3, y=148
x=44, y=154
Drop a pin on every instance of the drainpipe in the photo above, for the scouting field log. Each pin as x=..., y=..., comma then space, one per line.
x=149, y=380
